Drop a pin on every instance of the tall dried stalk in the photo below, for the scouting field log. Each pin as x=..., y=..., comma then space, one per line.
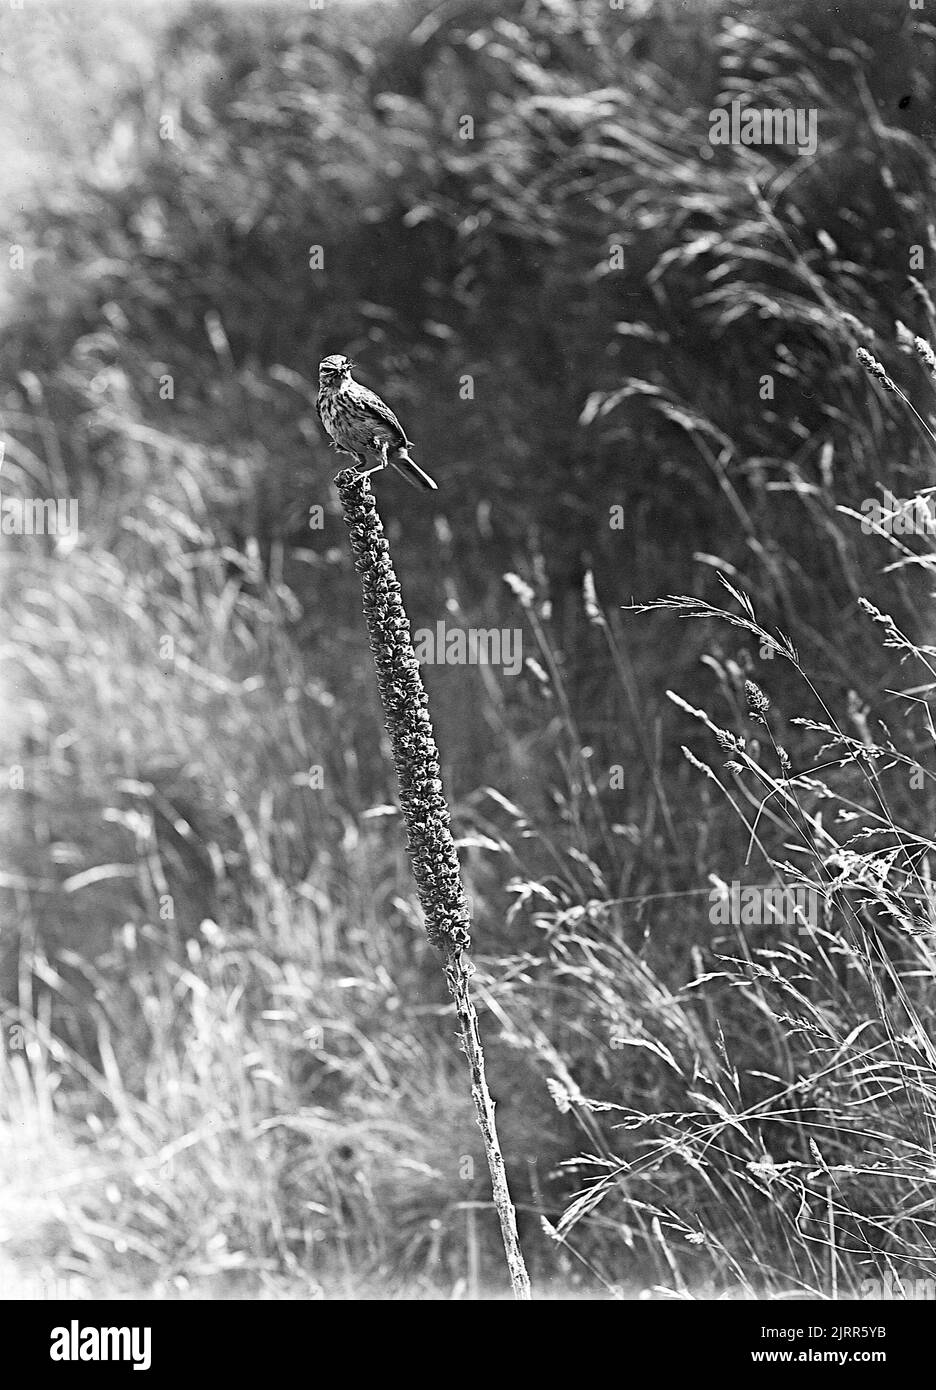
x=430, y=844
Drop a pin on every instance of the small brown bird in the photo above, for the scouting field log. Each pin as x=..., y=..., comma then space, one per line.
x=359, y=423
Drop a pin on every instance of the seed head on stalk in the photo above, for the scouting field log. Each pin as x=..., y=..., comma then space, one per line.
x=430, y=843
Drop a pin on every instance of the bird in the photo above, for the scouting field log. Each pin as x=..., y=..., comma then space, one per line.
x=359, y=423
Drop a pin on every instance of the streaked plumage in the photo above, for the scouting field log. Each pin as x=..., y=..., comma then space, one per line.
x=359, y=423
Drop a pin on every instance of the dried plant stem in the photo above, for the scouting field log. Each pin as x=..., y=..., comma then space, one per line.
x=457, y=974
x=430, y=844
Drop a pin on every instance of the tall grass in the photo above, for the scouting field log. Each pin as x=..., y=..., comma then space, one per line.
x=757, y=1110
x=220, y=1026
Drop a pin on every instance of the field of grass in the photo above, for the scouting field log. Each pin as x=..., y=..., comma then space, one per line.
x=659, y=382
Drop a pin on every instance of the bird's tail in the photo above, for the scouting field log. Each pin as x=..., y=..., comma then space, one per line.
x=411, y=471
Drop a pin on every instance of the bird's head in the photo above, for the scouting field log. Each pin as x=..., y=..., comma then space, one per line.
x=334, y=370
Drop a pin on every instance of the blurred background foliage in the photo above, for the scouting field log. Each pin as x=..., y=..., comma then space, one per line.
x=571, y=298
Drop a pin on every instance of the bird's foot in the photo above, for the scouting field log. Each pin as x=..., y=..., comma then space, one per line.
x=381, y=447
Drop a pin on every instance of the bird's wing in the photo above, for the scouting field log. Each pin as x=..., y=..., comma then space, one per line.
x=377, y=407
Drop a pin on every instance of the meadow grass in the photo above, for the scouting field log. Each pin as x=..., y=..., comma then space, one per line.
x=229, y=1062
